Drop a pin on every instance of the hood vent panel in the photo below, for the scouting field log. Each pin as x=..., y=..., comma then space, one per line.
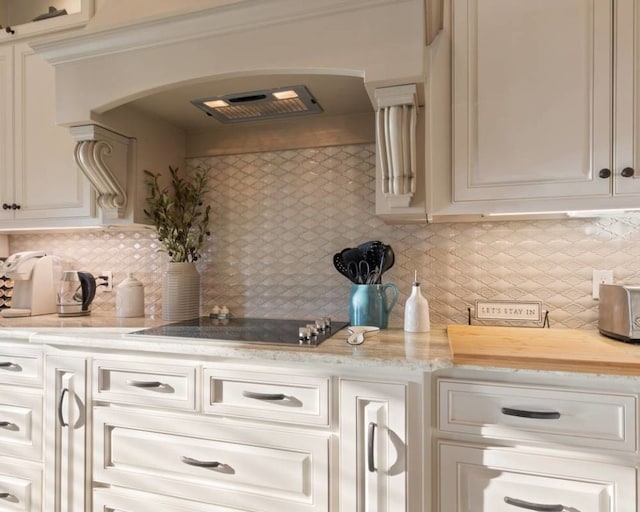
x=260, y=105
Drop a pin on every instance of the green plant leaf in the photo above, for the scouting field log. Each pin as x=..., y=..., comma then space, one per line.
x=179, y=213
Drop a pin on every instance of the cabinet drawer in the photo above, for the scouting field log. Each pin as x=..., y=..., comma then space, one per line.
x=21, y=423
x=124, y=500
x=21, y=366
x=216, y=461
x=269, y=396
x=484, y=479
x=535, y=414
x=20, y=486
x=145, y=383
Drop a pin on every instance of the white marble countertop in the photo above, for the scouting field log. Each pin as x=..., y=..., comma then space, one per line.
x=388, y=348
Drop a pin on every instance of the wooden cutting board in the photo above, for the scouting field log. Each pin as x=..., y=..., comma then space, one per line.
x=542, y=349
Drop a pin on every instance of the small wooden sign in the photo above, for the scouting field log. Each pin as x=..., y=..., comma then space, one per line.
x=508, y=310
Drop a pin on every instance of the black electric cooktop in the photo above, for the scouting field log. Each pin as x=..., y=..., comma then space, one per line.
x=244, y=330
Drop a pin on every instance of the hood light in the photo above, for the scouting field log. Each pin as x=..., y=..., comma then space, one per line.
x=285, y=95
x=260, y=105
x=216, y=104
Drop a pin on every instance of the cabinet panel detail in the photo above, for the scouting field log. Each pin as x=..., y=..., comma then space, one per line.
x=145, y=383
x=20, y=423
x=278, y=397
x=531, y=113
x=474, y=479
x=21, y=365
x=219, y=462
x=567, y=417
x=373, y=447
x=66, y=482
x=20, y=486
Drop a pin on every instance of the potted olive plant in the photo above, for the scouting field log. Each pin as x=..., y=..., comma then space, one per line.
x=181, y=220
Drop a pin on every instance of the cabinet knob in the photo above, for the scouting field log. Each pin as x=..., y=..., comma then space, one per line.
x=15, y=206
x=9, y=30
x=6, y=206
x=627, y=172
x=605, y=173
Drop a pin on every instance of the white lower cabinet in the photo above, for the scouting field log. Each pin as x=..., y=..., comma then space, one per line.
x=373, y=447
x=509, y=442
x=489, y=479
x=67, y=458
x=21, y=428
x=135, y=433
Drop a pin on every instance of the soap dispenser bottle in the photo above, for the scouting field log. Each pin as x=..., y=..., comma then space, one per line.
x=416, y=310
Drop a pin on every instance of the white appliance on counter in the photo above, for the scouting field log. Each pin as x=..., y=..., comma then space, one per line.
x=33, y=283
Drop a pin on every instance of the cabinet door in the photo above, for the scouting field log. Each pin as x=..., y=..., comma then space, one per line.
x=532, y=88
x=626, y=167
x=475, y=479
x=65, y=435
x=373, y=447
x=48, y=183
x=6, y=129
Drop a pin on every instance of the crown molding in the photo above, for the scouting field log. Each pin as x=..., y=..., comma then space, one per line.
x=245, y=15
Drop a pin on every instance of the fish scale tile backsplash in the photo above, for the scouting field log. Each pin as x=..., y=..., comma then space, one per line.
x=278, y=218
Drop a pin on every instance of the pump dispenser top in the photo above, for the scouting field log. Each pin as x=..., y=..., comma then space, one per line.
x=416, y=310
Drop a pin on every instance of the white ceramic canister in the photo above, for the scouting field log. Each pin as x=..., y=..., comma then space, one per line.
x=130, y=298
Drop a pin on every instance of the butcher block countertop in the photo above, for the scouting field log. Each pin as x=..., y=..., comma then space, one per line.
x=570, y=350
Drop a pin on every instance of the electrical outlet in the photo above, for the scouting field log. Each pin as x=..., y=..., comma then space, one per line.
x=108, y=275
x=600, y=277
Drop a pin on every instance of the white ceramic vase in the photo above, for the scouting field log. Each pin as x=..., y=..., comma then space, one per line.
x=180, y=292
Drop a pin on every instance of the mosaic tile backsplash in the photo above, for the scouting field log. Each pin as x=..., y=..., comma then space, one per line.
x=278, y=218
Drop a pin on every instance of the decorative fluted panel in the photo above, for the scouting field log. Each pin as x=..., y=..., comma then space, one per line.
x=396, y=119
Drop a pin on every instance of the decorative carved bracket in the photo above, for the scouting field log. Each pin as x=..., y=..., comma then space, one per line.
x=103, y=156
x=396, y=119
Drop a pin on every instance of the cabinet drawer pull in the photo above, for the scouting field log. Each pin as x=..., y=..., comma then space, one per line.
x=627, y=172
x=145, y=383
x=5, y=495
x=370, y=447
x=533, y=506
x=537, y=415
x=264, y=396
x=60, y=416
x=8, y=425
x=8, y=364
x=201, y=463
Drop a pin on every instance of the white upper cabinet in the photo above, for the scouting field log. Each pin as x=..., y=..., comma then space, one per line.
x=25, y=18
x=532, y=88
x=40, y=179
x=543, y=115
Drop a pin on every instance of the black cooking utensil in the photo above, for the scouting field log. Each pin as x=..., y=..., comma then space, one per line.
x=350, y=255
x=338, y=262
x=367, y=246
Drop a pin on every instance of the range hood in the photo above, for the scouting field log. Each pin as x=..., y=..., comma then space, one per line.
x=118, y=81
x=261, y=105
